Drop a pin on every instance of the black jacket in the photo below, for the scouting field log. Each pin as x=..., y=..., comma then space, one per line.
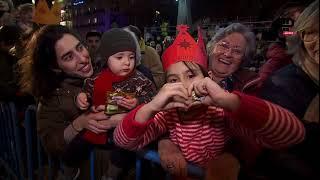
x=8, y=82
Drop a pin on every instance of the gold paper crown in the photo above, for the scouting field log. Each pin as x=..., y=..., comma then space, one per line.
x=44, y=15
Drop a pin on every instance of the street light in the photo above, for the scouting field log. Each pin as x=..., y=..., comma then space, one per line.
x=184, y=12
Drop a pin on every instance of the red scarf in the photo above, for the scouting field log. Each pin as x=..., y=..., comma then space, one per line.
x=102, y=84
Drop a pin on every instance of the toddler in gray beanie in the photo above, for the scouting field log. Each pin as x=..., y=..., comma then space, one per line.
x=119, y=87
x=114, y=41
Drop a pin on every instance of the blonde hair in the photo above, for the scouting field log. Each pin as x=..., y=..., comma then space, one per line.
x=308, y=19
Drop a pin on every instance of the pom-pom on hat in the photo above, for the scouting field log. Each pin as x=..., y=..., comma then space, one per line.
x=185, y=48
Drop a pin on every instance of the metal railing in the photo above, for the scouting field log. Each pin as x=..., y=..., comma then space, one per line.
x=37, y=159
x=35, y=153
x=171, y=30
x=153, y=157
x=10, y=147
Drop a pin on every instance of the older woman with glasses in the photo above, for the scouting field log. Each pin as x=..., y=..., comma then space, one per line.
x=229, y=51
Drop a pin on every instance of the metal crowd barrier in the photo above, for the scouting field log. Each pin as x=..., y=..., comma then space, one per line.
x=153, y=156
x=10, y=149
x=31, y=136
x=11, y=152
x=34, y=145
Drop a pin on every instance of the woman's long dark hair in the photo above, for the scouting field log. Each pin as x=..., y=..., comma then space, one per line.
x=37, y=67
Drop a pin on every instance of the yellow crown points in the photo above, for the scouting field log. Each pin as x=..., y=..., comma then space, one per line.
x=42, y=7
x=56, y=11
x=44, y=15
x=56, y=8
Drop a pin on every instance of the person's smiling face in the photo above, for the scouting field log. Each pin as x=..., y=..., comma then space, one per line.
x=72, y=57
x=227, y=55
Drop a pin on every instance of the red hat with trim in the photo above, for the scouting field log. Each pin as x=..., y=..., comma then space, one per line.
x=185, y=48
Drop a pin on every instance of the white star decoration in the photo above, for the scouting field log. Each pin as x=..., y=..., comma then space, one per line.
x=139, y=89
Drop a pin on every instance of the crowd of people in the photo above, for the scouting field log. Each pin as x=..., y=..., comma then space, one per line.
x=193, y=101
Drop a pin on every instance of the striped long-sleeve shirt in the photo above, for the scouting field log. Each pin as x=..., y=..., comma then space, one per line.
x=206, y=136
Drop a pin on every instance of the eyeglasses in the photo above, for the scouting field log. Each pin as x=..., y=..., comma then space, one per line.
x=225, y=47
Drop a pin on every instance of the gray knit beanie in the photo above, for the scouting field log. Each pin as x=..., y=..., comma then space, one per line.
x=116, y=40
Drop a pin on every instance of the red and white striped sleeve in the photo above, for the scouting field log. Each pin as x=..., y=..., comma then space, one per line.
x=271, y=125
x=133, y=135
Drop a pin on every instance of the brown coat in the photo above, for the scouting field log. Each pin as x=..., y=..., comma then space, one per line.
x=54, y=114
x=151, y=60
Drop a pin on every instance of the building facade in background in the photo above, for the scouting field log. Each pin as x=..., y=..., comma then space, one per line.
x=99, y=15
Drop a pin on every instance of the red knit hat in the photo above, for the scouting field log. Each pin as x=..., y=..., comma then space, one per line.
x=185, y=48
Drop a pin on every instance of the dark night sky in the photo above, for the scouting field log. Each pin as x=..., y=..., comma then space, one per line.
x=263, y=9
x=144, y=10
x=234, y=8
